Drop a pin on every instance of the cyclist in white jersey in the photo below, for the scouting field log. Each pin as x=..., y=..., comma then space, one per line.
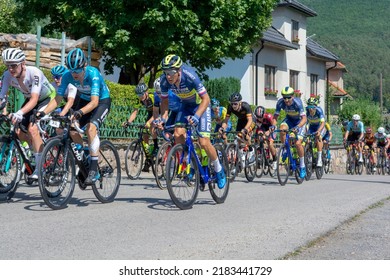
x=37, y=92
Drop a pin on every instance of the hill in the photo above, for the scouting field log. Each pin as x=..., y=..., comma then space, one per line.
x=358, y=33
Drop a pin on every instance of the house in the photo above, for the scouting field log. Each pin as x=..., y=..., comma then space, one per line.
x=284, y=56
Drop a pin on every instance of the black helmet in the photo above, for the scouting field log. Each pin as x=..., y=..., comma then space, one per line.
x=141, y=89
x=259, y=111
x=235, y=97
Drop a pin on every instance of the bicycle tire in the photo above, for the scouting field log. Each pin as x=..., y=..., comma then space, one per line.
x=260, y=162
x=326, y=161
x=309, y=159
x=182, y=182
x=134, y=160
x=319, y=172
x=56, y=174
x=232, y=156
x=283, y=165
x=160, y=163
x=219, y=195
x=10, y=169
x=109, y=165
x=250, y=168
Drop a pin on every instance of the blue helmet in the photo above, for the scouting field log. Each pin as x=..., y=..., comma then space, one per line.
x=58, y=70
x=75, y=59
x=214, y=103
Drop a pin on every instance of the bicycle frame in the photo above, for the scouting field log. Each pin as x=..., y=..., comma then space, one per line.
x=292, y=161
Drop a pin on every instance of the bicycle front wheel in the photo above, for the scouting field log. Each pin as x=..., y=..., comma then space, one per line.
x=231, y=153
x=106, y=188
x=10, y=168
x=250, y=164
x=219, y=195
x=309, y=161
x=134, y=160
x=56, y=174
x=283, y=165
x=260, y=161
x=182, y=177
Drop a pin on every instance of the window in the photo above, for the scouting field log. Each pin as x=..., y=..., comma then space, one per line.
x=294, y=79
x=294, y=32
x=313, y=84
x=269, y=77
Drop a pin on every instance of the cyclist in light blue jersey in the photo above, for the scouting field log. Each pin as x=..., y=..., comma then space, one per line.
x=295, y=120
x=185, y=83
x=355, y=132
x=316, y=123
x=93, y=107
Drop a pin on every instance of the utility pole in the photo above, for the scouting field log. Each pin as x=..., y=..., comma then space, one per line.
x=380, y=92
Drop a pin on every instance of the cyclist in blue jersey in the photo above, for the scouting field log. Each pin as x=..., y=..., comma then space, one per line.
x=295, y=120
x=93, y=107
x=355, y=132
x=185, y=83
x=316, y=123
x=218, y=114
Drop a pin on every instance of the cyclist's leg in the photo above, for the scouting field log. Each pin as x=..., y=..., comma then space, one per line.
x=301, y=151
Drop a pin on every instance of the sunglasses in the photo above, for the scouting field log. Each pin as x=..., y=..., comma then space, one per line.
x=77, y=70
x=56, y=77
x=235, y=103
x=13, y=66
x=287, y=97
x=170, y=72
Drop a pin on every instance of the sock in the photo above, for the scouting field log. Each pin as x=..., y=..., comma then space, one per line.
x=93, y=166
x=37, y=158
x=319, y=156
x=217, y=165
x=302, y=162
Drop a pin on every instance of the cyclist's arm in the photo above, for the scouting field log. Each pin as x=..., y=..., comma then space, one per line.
x=156, y=112
x=133, y=115
x=303, y=121
x=53, y=104
x=32, y=102
x=249, y=122
x=92, y=105
x=322, y=125
x=72, y=91
x=203, y=104
x=330, y=135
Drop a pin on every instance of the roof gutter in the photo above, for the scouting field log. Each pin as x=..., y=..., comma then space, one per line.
x=256, y=72
x=327, y=100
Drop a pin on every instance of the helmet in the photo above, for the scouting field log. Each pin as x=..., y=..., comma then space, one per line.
x=312, y=102
x=369, y=130
x=235, y=97
x=58, y=70
x=381, y=130
x=259, y=111
x=75, y=59
x=171, y=61
x=287, y=91
x=214, y=103
x=345, y=122
x=13, y=55
x=141, y=89
x=356, y=117
x=156, y=85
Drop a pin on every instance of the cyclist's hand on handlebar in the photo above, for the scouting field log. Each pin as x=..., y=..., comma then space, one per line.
x=17, y=117
x=3, y=103
x=194, y=120
x=126, y=124
x=77, y=115
x=221, y=131
x=37, y=116
x=244, y=131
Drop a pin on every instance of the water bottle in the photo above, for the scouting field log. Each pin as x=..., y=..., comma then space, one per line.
x=205, y=158
x=294, y=152
x=146, y=148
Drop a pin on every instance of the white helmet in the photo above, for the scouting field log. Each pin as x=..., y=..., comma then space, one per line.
x=381, y=130
x=356, y=117
x=156, y=85
x=13, y=55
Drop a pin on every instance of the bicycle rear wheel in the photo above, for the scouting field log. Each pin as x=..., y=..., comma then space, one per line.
x=219, y=195
x=283, y=165
x=250, y=164
x=309, y=161
x=106, y=188
x=160, y=164
x=10, y=168
x=326, y=161
x=134, y=160
x=231, y=153
x=260, y=161
x=56, y=174
x=183, y=177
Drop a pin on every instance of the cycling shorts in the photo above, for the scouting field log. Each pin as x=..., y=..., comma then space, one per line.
x=204, y=126
x=26, y=117
x=291, y=124
x=98, y=115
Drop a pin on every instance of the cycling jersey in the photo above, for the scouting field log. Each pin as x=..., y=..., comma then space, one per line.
x=219, y=117
x=294, y=112
x=174, y=102
x=369, y=139
x=381, y=139
x=328, y=127
x=359, y=128
x=34, y=81
x=266, y=123
x=71, y=91
x=148, y=103
x=317, y=118
x=243, y=113
x=93, y=84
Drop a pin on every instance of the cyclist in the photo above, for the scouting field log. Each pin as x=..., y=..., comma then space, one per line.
x=327, y=138
x=295, y=120
x=344, y=125
x=71, y=92
x=381, y=140
x=93, y=108
x=146, y=100
x=37, y=92
x=185, y=83
x=355, y=132
x=369, y=140
x=218, y=114
x=264, y=124
x=316, y=122
x=245, y=122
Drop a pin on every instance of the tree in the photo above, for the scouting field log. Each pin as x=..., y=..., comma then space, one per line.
x=9, y=22
x=137, y=34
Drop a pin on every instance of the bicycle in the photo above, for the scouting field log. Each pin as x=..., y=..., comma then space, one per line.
x=311, y=158
x=136, y=152
x=239, y=158
x=326, y=159
x=57, y=168
x=263, y=158
x=287, y=159
x=381, y=161
x=368, y=159
x=184, y=173
x=353, y=165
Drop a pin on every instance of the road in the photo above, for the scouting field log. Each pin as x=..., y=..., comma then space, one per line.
x=259, y=220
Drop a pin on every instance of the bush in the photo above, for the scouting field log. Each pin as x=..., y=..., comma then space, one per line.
x=222, y=88
x=368, y=110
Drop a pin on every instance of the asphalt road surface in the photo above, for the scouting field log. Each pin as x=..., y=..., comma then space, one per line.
x=338, y=217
